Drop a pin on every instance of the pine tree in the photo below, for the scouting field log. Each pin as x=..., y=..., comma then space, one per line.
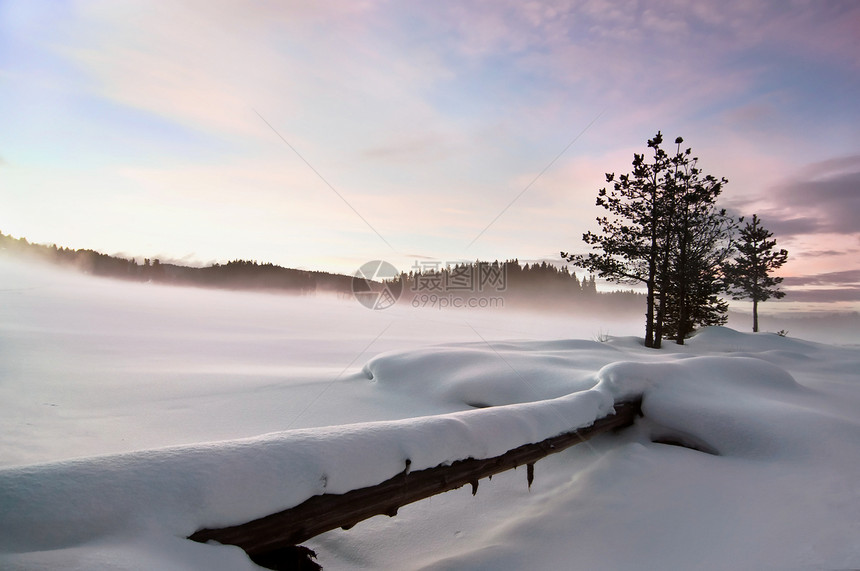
x=747, y=276
x=627, y=247
x=696, y=245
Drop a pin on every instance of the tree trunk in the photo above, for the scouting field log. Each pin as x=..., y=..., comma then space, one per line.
x=683, y=311
x=665, y=284
x=755, y=315
x=649, y=315
x=661, y=316
x=683, y=286
x=652, y=340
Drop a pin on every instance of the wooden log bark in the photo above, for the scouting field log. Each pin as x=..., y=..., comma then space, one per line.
x=326, y=512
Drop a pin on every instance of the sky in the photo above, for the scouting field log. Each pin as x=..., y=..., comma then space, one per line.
x=323, y=135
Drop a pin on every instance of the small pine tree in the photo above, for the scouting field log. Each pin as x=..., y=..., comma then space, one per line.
x=747, y=276
x=589, y=286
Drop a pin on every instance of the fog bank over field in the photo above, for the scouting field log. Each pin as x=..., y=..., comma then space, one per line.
x=525, y=312
x=824, y=326
x=74, y=343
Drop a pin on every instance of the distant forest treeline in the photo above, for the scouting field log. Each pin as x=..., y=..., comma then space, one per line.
x=519, y=285
x=238, y=274
x=536, y=285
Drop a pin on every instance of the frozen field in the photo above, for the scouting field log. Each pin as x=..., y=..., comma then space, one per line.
x=133, y=414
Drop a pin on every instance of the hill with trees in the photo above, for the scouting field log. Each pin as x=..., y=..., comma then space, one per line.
x=462, y=285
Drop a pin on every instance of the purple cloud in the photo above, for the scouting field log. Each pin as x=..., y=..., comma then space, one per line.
x=824, y=295
x=847, y=277
x=825, y=198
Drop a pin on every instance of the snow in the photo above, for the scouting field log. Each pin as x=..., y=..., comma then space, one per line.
x=131, y=415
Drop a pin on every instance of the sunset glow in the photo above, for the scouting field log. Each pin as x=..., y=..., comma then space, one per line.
x=323, y=135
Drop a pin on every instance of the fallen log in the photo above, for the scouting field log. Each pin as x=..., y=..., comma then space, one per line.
x=326, y=512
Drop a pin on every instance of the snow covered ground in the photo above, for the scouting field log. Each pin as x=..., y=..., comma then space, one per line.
x=133, y=414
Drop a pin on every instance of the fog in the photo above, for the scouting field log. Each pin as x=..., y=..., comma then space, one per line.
x=837, y=328
x=180, y=364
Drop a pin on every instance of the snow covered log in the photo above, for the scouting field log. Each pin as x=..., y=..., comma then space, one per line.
x=326, y=512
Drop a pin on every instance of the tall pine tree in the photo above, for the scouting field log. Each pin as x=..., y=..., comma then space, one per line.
x=627, y=248
x=697, y=244
x=748, y=275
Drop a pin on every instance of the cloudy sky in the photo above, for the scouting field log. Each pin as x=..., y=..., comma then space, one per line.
x=324, y=134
